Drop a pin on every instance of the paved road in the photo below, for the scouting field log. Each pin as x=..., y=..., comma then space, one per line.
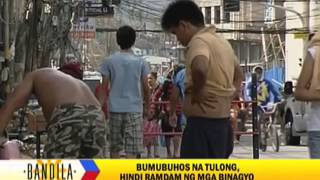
x=244, y=150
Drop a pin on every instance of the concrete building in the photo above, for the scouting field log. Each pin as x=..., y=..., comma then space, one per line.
x=252, y=16
x=284, y=49
x=306, y=18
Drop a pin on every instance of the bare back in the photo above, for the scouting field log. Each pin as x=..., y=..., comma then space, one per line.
x=54, y=88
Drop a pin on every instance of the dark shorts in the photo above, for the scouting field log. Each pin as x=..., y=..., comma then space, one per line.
x=166, y=127
x=207, y=138
x=76, y=131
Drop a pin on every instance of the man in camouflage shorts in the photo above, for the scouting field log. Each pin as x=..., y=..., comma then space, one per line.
x=76, y=122
x=76, y=131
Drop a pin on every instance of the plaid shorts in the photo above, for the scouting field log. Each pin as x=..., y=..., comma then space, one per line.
x=126, y=132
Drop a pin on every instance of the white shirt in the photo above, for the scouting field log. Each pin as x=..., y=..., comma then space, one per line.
x=313, y=122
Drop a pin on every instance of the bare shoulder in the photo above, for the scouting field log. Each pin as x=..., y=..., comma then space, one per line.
x=45, y=73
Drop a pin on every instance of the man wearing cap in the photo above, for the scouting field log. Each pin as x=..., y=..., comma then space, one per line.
x=76, y=124
x=265, y=89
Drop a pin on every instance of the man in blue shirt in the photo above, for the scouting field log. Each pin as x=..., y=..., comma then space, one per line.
x=129, y=91
x=177, y=94
x=265, y=89
x=178, y=79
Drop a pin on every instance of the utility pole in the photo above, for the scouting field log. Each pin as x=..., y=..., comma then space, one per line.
x=294, y=46
x=7, y=30
x=5, y=81
x=32, y=39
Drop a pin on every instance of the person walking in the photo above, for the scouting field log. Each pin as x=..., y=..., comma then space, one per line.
x=129, y=96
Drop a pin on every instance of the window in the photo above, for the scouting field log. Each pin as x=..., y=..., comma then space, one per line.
x=255, y=52
x=217, y=16
x=226, y=17
x=244, y=50
x=208, y=15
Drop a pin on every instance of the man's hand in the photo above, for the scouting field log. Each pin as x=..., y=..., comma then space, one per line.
x=236, y=93
x=197, y=96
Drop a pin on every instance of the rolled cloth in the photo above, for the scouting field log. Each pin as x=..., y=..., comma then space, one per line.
x=73, y=69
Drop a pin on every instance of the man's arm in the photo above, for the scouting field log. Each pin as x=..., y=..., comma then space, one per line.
x=16, y=100
x=302, y=91
x=177, y=88
x=102, y=91
x=106, y=73
x=174, y=99
x=199, y=71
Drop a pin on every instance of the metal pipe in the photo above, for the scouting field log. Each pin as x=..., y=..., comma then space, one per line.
x=255, y=122
x=38, y=145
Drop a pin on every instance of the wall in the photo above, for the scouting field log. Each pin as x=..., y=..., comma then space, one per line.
x=314, y=14
x=294, y=46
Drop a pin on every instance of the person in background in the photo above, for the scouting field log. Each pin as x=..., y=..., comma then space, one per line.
x=308, y=89
x=176, y=99
x=163, y=94
x=265, y=89
x=152, y=125
x=239, y=111
x=129, y=99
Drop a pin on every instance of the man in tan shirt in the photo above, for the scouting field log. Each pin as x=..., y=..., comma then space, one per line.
x=213, y=76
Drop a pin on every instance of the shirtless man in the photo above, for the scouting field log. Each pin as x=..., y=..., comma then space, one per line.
x=76, y=124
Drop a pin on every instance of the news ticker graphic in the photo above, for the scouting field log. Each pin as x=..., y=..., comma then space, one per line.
x=160, y=169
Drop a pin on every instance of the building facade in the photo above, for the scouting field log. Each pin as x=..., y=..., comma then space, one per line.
x=247, y=24
x=305, y=17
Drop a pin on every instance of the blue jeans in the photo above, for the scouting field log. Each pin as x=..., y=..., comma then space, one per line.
x=314, y=144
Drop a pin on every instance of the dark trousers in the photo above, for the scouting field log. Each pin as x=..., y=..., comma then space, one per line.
x=207, y=138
